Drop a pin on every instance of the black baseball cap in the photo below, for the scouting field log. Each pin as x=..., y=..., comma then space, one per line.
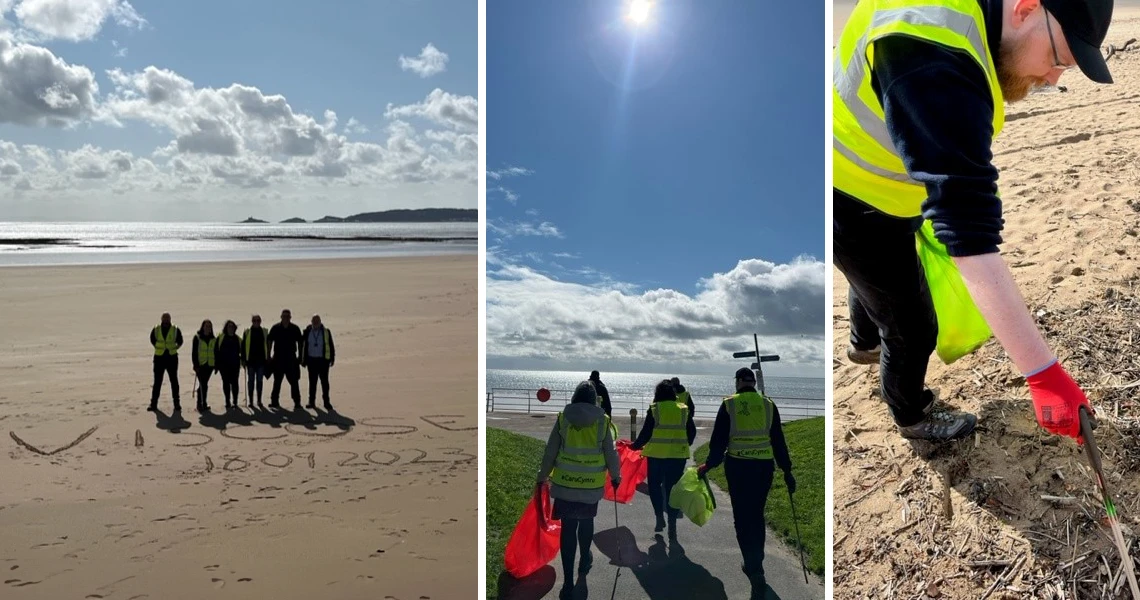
x=745, y=374
x=1085, y=25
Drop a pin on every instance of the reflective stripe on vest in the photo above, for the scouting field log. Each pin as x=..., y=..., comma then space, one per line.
x=167, y=345
x=328, y=350
x=206, y=351
x=246, y=337
x=683, y=397
x=670, y=436
x=866, y=164
x=581, y=464
x=750, y=423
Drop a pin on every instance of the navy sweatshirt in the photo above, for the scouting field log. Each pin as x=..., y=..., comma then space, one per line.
x=939, y=113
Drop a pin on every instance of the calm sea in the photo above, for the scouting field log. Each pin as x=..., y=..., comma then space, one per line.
x=92, y=243
x=515, y=391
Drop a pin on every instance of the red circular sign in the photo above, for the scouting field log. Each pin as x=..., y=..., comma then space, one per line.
x=543, y=394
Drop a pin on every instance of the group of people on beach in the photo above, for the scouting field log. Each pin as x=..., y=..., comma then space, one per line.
x=278, y=352
x=747, y=438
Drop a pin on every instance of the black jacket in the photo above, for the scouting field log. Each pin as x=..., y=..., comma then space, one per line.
x=257, y=341
x=305, y=346
x=285, y=343
x=604, y=394
x=228, y=352
x=718, y=446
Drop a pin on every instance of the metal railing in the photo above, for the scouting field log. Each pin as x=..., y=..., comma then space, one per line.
x=518, y=400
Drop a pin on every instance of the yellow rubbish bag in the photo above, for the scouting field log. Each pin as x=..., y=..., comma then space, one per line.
x=961, y=327
x=693, y=497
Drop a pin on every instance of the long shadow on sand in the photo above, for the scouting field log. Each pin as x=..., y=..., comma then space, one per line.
x=275, y=418
x=172, y=423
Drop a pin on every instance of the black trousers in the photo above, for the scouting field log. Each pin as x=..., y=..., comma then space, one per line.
x=204, y=375
x=664, y=473
x=889, y=302
x=748, y=484
x=165, y=365
x=254, y=376
x=230, y=382
x=318, y=369
x=290, y=371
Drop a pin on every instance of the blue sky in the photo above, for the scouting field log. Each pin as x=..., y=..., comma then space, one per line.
x=377, y=108
x=664, y=181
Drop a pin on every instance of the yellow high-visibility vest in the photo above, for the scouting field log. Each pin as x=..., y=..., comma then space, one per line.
x=206, y=351
x=750, y=425
x=670, y=438
x=167, y=345
x=866, y=164
x=246, y=337
x=581, y=463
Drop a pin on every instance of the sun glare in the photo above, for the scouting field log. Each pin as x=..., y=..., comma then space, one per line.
x=639, y=11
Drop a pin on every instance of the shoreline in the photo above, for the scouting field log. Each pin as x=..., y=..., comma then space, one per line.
x=269, y=262
x=74, y=243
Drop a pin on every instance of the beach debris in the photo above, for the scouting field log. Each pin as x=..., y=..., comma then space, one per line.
x=1113, y=49
x=138, y=438
x=32, y=448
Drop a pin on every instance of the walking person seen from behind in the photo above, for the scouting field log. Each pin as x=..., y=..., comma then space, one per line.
x=603, y=393
x=666, y=436
x=205, y=362
x=166, y=339
x=748, y=430
x=578, y=453
x=286, y=343
x=318, y=356
x=255, y=355
x=228, y=356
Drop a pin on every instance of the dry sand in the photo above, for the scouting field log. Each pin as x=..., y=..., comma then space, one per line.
x=378, y=501
x=1070, y=179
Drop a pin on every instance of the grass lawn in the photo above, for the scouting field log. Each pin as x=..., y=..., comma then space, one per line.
x=805, y=444
x=512, y=464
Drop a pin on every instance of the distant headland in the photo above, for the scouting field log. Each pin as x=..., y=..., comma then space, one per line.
x=402, y=215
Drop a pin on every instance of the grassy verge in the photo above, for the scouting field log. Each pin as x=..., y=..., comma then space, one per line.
x=512, y=463
x=805, y=444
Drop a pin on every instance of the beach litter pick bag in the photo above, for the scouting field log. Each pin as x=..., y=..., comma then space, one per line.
x=634, y=470
x=693, y=497
x=961, y=327
x=534, y=542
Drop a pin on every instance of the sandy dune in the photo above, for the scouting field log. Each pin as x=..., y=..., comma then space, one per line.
x=377, y=501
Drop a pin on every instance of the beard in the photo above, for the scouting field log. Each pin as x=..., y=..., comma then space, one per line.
x=1014, y=86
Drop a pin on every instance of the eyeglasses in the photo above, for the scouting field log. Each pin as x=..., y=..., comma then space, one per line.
x=1057, y=64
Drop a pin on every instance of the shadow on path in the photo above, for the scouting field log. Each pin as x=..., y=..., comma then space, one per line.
x=532, y=587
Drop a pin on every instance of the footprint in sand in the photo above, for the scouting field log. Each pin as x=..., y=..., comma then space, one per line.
x=245, y=579
x=218, y=583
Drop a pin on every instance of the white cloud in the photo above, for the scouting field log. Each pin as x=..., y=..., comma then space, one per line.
x=509, y=229
x=431, y=61
x=120, y=51
x=509, y=195
x=457, y=112
x=354, y=127
x=74, y=20
x=39, y=88
x=509, y=172
x=531, y=315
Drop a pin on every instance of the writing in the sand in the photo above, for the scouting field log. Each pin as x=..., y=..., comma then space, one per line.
x=344, y=458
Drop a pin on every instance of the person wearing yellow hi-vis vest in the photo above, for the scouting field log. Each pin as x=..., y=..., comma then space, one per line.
x=255, y=357
x=666, y=436
x=318, y=355
x=205, y=363
x=748, y=430
x=166, y=340
x=579, y=452
x=919, y=93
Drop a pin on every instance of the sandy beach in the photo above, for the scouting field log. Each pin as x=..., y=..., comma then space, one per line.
x=102, y=499
x=1013, y=502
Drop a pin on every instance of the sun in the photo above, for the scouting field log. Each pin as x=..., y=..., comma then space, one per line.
x=639, y=11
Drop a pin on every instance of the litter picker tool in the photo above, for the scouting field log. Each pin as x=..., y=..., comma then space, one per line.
x=1093, y=454
x=799, y=540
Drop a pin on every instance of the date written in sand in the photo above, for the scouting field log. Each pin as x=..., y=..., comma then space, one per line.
x=344, y=458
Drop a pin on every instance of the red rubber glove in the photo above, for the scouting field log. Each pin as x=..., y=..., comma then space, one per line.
x=1057, y=400
x=701, y=470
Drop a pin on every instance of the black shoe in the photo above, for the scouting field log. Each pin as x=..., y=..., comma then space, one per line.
x=672, y=528
x=567, y=591
x=274, y=404
x=328, y=406
x=863, y=357
x=296, y=406
x=152, y=408
x=587, y=562
x=759, y=586
x=940, y=424
x=660, y=526
x=312, y=404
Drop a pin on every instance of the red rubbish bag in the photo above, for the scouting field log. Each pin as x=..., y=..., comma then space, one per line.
x=534, y=542
x=634, y=470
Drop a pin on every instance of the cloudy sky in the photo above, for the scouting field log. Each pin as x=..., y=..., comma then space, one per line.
x=212, y=110
x=655, y=192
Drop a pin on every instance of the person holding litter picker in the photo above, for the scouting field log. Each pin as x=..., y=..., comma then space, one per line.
x=578, y=453
x=748, y=430
x=666, y=436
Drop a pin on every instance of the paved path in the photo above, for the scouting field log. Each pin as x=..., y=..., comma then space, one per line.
x=633, y=563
